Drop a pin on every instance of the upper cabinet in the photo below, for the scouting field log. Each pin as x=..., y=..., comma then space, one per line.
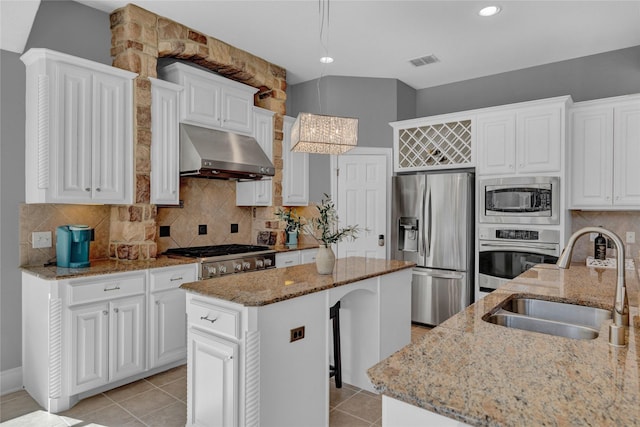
x=295, y=170
x=605, y=150
x=210, y=100
x=165, y=164
x=431, y=143
x=79, y=145
x=522, y=138
x=259, y=193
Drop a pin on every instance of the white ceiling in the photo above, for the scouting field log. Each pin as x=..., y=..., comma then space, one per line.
x=377, y=38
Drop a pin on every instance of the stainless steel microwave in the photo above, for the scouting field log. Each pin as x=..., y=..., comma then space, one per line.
x=520, y=200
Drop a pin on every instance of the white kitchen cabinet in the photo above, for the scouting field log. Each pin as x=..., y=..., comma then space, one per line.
x=259, y=193
x=165, y=149
x=523, y=138
x=108, y=337
x=211, y=100
x=79, y=145
x=287, y=259
x=295, y=170
x=213, y=378
x=605, y=150
x=167, y=320
x=88, y=334
x=308, y=255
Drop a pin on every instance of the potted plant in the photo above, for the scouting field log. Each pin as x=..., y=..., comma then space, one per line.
x=324, y=229
x=293, y=224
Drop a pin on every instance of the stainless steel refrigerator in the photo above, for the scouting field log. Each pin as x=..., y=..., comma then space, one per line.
x=433, y=225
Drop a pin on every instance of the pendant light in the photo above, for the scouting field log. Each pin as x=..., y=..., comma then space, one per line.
x=318, y=133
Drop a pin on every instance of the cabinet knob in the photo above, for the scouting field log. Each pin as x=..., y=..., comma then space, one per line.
x=87, y=189
x=98, y=189
x=105, y=312
x=116, y=310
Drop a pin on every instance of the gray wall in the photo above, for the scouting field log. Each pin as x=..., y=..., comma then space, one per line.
x=373, y=101
x=591, y=77
x=67, y=27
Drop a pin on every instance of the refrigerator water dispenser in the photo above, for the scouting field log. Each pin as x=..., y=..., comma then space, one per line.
x=408, y=234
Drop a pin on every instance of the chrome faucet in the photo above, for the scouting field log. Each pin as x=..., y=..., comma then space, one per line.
x=618, y=329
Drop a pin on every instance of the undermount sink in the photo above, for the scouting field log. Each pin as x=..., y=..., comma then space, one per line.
x=549, y=317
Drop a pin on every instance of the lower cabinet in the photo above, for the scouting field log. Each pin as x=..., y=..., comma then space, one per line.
x=86, y=335
x=291, y=258
x=213, y=380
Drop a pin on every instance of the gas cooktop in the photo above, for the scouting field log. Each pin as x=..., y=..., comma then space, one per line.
x=216, y=250
x=220, y=260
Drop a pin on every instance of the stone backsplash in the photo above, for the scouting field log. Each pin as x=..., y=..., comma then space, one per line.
x=46, y=217
x=618, y=222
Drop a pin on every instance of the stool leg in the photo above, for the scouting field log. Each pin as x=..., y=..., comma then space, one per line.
x=335, y=313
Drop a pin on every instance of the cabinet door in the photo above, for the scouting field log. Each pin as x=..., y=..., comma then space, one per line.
x=201, y=101
x=496, y=143
x=237, y=111
x=127, y=337
x=89, y=342
x=165, y=118
x=259, y=193
x=169, y=327
x=295, y=170
x=212, y=383
x=112, y=147
x=626, y=153
x=591, y=157
x=539, y=139
x=71, y=122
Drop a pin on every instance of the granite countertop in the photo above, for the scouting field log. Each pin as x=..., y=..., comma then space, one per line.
x=102, y=266
x=298, y=247
x=490, y=375
x=278, y=284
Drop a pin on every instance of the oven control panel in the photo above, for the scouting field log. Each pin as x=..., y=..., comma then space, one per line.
x=519, y=234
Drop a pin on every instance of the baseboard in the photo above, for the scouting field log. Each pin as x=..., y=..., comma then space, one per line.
x=10, y=380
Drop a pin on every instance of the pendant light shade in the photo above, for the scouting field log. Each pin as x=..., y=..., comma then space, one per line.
x=314, y=133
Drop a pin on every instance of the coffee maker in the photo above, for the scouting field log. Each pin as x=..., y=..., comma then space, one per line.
x=72, y=246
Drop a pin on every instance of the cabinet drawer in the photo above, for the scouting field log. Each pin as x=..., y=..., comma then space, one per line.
x=287, y=259
x=308, y=255
x=213, y=318
x=104, y=288
x=171, y=277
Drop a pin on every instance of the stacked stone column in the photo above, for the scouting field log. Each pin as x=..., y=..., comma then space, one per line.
x=138, y=39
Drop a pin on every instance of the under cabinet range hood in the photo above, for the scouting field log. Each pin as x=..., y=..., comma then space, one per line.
x=210, y=153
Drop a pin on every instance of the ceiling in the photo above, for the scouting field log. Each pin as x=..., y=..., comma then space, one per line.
x=378, y=38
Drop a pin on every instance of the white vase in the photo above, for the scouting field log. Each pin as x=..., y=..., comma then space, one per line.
x=325, y=260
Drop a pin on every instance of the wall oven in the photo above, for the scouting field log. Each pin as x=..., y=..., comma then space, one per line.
x=505, y=253
x=520, y=200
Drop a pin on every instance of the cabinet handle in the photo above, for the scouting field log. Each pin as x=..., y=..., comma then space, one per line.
x=228, y=358
x=115, y=288
x=105, y=312
x=98, y=189
x=87, y=189
x=116, y=310
x=176, y=278
x=288, y=262
x=207, y=318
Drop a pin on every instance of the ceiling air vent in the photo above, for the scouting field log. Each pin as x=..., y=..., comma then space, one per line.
x=424, y=60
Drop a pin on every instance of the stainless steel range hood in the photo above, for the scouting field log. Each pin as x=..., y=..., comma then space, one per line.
x=209, y=153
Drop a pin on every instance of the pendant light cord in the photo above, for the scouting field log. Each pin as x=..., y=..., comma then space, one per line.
x=323, y=15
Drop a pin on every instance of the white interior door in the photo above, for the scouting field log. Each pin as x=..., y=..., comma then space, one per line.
x=360, y=188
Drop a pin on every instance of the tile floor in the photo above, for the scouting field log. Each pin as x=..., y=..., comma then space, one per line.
x=160, y=401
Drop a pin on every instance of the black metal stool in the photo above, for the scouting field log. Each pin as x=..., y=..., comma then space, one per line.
x=336, y=368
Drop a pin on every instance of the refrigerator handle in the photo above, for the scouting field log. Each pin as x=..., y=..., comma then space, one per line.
x=429, y=222
x=421, y=239
x=456, y=276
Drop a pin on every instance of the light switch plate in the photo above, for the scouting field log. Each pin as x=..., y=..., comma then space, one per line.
x=631, y=237
x=41, y=239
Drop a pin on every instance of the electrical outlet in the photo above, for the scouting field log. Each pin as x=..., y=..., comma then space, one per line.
x=297, y=334
x=202, y=229
x=592, y=236
x=165, y=230
x=234, y=228
x=631, y=237
x=41, y=239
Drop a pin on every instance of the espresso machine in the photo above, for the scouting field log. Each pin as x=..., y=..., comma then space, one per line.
x=72, y=246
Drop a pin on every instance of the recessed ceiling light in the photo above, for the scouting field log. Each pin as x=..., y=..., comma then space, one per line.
x=326, y=60
x=489, y=11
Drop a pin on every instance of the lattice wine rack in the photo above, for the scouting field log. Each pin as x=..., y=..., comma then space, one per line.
x=435, y=145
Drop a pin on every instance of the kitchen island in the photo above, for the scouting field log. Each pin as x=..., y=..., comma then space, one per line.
x=482, y=374
x=259, y=343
